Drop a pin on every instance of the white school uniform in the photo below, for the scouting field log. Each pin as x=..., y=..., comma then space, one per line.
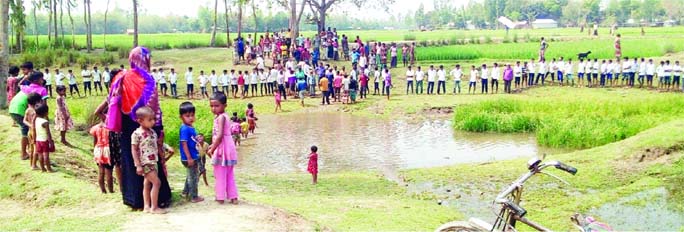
x=161, y=78
x=59, y=79
x=420, y=75
x=189, y=79
x=456, y=73
x=203, y=80
x=580, y=67
x=173, y=78
x=441, y=75
x=650, y=69
x=496, y=73
x=473, y=75
x=410, y=74
x=213, y=80
x=484, y=74
x=432, y=75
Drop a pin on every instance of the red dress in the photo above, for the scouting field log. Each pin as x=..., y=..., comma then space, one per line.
x=313, y=163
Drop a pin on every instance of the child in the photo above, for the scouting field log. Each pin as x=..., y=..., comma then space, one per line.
x=473, y=79
x=224, y=155
x=203, y=84
x=144, y=148
x=29, y=118
x=277, y=102
x=235, y=129
x=313, y=164
x=244, y=127
x=63, y=122
x=251, y=117
x=388, y=82
x=188, y=152
x=102, y=156
x=189, y=80
x=202, y=148
x=43, y=138
x=73, y=85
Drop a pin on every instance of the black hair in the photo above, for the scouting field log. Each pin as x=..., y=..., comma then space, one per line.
x=186, y=107
x=35, y=76
x=250, y=106
x=314, y=148
x=220, y=97
x=27, y=65
x=114, y=72
x=14, y=71
x=34, y=98
x=41, y=109
x=61, y=88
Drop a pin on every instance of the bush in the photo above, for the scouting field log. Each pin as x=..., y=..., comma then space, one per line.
x=409, y=37
x=515, y=38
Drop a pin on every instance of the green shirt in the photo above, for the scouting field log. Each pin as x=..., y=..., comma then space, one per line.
x=300, y=75
x=19, y=104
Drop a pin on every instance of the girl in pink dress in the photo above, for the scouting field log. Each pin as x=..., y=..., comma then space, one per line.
x=224, y=156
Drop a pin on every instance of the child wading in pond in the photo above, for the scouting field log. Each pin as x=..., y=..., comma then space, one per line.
x=251, y=117
x=203, y=148
x=144, y=147
x=188, y=152
x=313, y=164
x=43, y=137
x=63, y=122
x=101, y=154
x=224, y=154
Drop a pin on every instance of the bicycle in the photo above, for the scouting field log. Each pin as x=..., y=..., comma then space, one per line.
x=511, y=212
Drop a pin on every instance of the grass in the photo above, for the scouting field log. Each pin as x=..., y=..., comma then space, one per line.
x=606, y=174
x=591, y=118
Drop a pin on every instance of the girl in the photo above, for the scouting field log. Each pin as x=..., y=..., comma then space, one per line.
x=63, y=122
x=337, y=84
x=241, y=84
x=313, y=164
x=388, y=82
x=102, y=156
x=251, y=117
x=43, y=138
x=277, y=102
x=224, y=154
x=244, y=127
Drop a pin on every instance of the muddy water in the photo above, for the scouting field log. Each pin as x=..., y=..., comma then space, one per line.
x=650, y=210
x=348, y=142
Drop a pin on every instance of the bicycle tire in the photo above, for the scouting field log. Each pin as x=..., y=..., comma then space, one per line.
x=457, y=226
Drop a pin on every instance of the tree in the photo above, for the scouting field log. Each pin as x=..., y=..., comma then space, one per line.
x=4, y=53
x=135, y=23
x=88, y=23
x=420, y=16
x=649, y=10
x=61, y=20
x=228, y=42
x=18, y=20
x=240, y=4
x=104, y=32
x=54, y=19
x=320, y=7
x=592, y=11
x=213, y=28
x=72, y=4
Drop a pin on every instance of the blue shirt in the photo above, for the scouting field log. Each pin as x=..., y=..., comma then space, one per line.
x=187, y=134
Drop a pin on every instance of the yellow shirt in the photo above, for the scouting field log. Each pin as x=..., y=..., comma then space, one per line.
x=323, y=84
x=244, y=126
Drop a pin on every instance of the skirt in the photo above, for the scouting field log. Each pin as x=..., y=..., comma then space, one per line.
x=102, y=155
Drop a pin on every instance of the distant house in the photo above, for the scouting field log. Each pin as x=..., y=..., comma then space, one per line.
x=544, y=23
x=130, y=31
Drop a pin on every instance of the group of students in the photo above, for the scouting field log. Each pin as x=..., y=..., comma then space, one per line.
x=92, y=81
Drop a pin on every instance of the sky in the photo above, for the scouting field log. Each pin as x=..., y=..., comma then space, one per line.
x=189, y=7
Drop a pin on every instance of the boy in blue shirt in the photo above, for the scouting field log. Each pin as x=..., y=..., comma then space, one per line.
x=188, y=152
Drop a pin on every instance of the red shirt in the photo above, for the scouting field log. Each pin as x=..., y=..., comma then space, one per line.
x=241, y=80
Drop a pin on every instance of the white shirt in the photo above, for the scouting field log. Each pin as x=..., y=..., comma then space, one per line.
x=677, y=70
x=260, y=62
x=48, y=78
x=530, y=68
x=233, y=79
x=580, y=67
x=246, y=77
x=263, y=77
x=213, y=79
x=72, y=79
x=162, y=78
x=441, y=75
x=97, y=76
x=280, y=79
x=616, y=68
x=224, y=79
x=568, y=69
x=273, y=75
x=173, y=78
x=59, y=79
x=560, y=66
x=86, y=75
x=626, y=66
x=668, y=69
x=542, y=67
x=604, y=68
x=203, y=80
x=376, y=76
x=188, y=78
x=473, y=75
x=642, y=68
x=410, y=74
x=106, y=77
x=362, y=61
x=420, y=75
x=484, y=74
x=517, y=71
x=595, y=67
x=255, y=78
x=650, y=69
x=496, y=73
x=457, y=74
x=432, y=74
x=661, y=71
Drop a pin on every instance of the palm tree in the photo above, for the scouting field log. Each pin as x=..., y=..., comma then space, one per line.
x=72, y=4
x=240, y=3
x=228, y=42
x=213, y=30
x=87, y=19
x=104, y=33
x=4, y=53
x=135, y=23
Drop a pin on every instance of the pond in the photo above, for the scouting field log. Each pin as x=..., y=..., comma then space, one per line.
x=650, y=210
x=354, y=143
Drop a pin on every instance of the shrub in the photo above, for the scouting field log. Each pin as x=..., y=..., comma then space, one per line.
x=410, y=37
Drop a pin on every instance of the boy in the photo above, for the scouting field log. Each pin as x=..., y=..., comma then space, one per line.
x=580, y=72
x=568, y=73
x=642, y=72
x=213, y=79
x=233, y=83
x=473, y=79
x=541, y=74
x=484, y=77
x=173, y=79
x=313, y=164
x=419, y=80
x=225, y=81
x=188, y=152
x=97, y=79
x=604, y=71
x=73, y=84
x=87, y=81
x=457, y=74
x=441, y=80
x=29, y=117
x=676, y=74
x=530, y=73
x=106, y=78
x=517, y=74
x=409, y=80
x=144, y=149
x=202, y=148
x=189, y=80
x=203, y=84
x=432, y=75
x=496, y=74
x=162, y=82
x=650, y=71
x=244, y=127
x=48, y=81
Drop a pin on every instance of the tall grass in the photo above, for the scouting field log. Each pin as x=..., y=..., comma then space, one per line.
x=602, y=49
x=582, y=120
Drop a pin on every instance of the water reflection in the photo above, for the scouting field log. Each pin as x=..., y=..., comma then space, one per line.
x=348, y=142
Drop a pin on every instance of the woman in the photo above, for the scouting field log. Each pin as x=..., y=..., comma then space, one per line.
x=618, y=48
x=132, y=89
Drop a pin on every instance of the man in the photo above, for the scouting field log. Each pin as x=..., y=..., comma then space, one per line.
x=410, y=74
x=97, y=78
x=87, y=81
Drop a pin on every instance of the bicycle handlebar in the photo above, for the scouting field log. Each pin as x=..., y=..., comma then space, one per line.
x=566, y=168
x=517, y=210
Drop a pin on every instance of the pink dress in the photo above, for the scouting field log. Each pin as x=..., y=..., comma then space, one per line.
x=224, y=160
x=11, y=88
x=63, y=120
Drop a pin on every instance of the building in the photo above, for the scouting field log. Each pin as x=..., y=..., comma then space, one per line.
x=544, y=23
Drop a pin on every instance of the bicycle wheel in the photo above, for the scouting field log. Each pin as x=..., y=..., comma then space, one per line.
x=457, y=226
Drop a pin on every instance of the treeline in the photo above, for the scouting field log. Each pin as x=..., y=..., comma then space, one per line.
x=484, y=13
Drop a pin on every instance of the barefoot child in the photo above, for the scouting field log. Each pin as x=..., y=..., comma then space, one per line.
x=244, y=127
x=43, y=138
x=188, y=152
x=224, y=155
x=313, y=164
x=29, y=118
x=251, y=118
x=277, y=102
x=102, y=156
x=145, y=157
x=202, y=148
x=63, y=122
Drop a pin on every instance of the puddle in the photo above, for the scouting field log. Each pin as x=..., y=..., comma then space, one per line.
x=650, y=210
x=471, y=200
x=348, y=142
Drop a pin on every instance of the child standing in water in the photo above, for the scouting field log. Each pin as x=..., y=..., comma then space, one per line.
x=102, y=156
x=313, y=164
x=63, y=122
x=224, y=154
x=144, y=147
x=43, y=138
x=251, y=118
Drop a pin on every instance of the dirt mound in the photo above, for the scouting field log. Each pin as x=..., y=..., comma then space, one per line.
x=654, y=153
x=438, y=110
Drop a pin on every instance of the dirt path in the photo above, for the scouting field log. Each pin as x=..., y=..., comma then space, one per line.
x=211, y=216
